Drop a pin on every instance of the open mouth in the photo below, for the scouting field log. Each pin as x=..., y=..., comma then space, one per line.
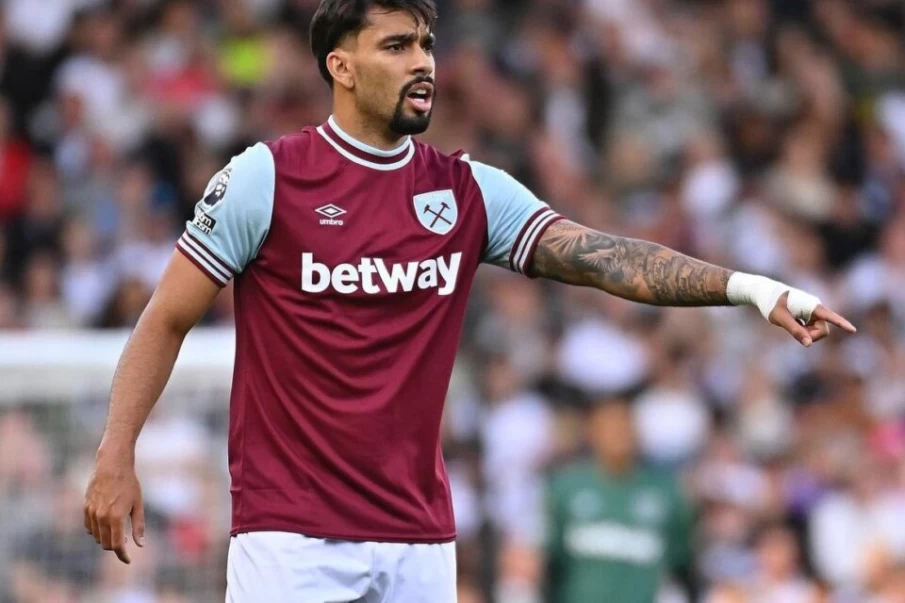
x=421, y=96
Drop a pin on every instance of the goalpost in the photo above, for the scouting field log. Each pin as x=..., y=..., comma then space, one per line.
x=54, y=389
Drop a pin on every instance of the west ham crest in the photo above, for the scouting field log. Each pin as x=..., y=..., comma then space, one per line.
x=437, y=210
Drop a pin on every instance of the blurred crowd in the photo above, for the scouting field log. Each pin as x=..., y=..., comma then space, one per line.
x=762, y=135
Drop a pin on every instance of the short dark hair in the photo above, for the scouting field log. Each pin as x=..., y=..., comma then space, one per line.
x=335, y=19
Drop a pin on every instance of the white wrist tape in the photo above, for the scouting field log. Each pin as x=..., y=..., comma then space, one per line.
x=764, y=292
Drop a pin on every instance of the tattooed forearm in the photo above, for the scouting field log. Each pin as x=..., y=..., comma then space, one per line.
x=630, y=268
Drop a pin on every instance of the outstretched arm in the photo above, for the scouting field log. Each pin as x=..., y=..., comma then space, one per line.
x=633, y=269
x=649, y=273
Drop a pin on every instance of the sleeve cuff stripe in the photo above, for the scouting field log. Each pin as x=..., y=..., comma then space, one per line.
x=202, y=256
x=206, y=256
x=526, y=263
x=214, y=258
x=537, y=225
x=201, y=263
x=518, y=244
x=215, y=279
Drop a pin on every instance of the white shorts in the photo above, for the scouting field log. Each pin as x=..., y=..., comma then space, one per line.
x=280, y=567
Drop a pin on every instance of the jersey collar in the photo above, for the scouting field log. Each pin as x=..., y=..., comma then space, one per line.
x=363, y=154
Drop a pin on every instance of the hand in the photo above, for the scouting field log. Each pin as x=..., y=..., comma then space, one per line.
x=113, y=493
x=816, y=328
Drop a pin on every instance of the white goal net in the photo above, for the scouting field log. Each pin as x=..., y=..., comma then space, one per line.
x=53, y=403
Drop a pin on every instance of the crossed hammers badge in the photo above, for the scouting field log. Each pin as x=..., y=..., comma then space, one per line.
x=437, y=210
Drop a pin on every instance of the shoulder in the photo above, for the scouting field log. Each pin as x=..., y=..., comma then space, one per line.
x=429, y=151
x=438, y=169
x=433, y=157
x=482, y=174
x=256, y=157
x=652, y=475
x=495, y=185
x=571, y=475
x=248, y=174
x=292, y=147
x=662, y=480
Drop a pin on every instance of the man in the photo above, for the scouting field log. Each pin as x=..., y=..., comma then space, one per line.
x=615, y=527
x=353, y=249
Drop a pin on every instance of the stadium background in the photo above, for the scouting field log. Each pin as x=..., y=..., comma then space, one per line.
x=763, y=135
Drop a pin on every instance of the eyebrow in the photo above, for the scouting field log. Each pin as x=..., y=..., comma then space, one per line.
x=405, y=38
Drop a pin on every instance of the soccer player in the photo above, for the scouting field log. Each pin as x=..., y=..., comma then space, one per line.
x=353, y=247
x=616, y=528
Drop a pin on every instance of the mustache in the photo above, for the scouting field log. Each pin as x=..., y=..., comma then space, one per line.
x=421, y=79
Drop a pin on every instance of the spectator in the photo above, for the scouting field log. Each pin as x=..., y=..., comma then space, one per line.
x=863, y=515
x=15, y=161
x=779, y=577
x=617, y=529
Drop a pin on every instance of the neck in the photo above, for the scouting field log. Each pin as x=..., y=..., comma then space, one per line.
x=616, y=466
x=352, y=123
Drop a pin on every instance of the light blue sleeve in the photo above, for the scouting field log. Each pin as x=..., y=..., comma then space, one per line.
x=515, y=218
x=233, y=218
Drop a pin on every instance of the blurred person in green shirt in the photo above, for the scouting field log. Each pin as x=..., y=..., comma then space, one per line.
x=616, y=528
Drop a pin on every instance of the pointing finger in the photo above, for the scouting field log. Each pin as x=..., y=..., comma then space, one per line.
x=821, y=312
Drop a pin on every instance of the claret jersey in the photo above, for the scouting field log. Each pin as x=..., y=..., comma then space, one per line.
x=352, y=270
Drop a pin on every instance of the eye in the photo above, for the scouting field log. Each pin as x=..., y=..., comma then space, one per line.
x=396, y=47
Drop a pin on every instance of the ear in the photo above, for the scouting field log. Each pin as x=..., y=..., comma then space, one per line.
x=338, y=63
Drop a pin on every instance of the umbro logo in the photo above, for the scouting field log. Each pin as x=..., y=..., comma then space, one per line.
x=331, y=213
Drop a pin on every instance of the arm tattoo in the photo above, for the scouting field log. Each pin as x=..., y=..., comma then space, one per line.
x=629, y=268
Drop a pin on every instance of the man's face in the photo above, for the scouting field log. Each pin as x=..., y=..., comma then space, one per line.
x=392, y=66
x=612, y=433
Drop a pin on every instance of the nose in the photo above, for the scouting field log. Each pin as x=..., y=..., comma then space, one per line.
x=423, y=63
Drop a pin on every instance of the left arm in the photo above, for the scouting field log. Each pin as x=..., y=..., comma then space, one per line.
x=526, y=236
x=633, y=269
x=649, y=273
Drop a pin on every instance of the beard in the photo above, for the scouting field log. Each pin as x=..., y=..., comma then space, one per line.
x=409, y=124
